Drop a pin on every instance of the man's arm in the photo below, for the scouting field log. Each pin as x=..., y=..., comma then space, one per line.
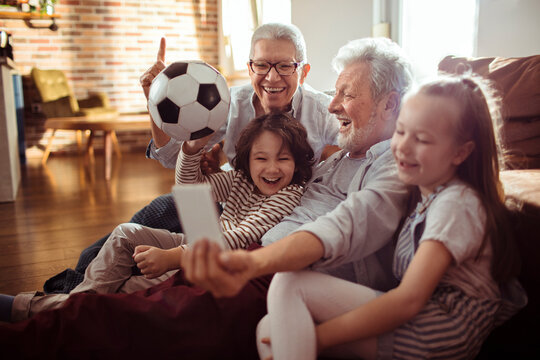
x=226, y=273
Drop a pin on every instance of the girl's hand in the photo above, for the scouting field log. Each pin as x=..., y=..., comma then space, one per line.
x=191, y=147
x=155, y=262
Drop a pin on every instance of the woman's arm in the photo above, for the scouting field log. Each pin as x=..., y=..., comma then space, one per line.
x=394, y=308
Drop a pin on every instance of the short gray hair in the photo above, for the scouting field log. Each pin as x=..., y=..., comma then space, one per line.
x=279, y=31
x=390, y=68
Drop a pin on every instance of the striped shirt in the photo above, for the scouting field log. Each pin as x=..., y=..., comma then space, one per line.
x=247, y=215
x=467, y=304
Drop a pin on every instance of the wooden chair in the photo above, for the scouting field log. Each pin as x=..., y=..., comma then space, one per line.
x=58, y=101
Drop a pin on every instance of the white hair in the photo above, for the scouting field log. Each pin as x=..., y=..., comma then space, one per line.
x=279, y=31
x=390, y=68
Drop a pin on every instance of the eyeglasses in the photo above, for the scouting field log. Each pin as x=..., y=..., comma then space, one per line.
x=284, y=68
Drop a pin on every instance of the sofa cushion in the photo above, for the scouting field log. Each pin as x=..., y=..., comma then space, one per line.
x=518, y=80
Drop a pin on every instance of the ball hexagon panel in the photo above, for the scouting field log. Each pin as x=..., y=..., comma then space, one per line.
x=202, y=72
x=194, y=117
x=176, y=69
x=158, y=89
x=218, y=116
x=176, y=131
x=223, y=89
x=208, y=96
x=182, y=90
x=152, y=109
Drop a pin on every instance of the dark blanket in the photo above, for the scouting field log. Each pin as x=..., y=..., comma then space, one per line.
x=171, y=320
x=159, y=214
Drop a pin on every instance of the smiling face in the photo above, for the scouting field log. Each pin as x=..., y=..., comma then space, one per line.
x=360, y=117
x=274, y=91
x=271, y=165
x=424, y=143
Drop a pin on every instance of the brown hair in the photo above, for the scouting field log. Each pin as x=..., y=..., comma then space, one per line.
x=293, y=135
x=480, y=121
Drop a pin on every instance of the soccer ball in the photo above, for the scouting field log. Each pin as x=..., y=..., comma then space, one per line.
x=189, y=100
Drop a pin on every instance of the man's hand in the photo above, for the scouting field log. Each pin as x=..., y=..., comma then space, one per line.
x=150, y=74
x=224, y=273
x=155, y=262
x=210, y=160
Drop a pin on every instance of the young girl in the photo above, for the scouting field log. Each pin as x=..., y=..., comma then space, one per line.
x=454, y=258
x=273, y=161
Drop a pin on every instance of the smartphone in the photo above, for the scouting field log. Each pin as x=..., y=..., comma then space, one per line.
x=198, y=213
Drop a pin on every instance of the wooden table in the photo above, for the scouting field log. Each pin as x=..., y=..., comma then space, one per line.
x=136, y=121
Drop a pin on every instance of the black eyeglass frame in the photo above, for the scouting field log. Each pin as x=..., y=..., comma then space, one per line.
x=274, y=65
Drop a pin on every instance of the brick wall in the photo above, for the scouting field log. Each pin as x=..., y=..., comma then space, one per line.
x=105, y=46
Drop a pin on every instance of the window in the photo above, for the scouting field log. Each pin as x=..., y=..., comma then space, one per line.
x=433, y=29
x=239, y=19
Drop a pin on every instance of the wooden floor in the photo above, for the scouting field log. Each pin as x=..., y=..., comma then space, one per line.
x=63, y=207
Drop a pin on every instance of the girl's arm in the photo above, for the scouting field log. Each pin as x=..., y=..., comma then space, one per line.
x=253, y=227
x=395, y=307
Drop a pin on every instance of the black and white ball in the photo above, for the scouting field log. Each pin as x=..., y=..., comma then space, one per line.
x=189, y=100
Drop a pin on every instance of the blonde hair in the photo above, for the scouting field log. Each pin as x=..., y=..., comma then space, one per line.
x=480, y=122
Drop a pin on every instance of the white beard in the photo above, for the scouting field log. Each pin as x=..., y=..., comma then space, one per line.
x=356, y=138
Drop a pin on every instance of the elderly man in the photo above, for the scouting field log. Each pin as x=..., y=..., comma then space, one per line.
x=277, y=68
x=358, y=182
x=373, y=77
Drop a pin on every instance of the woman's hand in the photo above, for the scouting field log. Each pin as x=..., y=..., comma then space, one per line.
x=149, y=75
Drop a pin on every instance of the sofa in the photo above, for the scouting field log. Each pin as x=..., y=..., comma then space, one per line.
x=518, y=81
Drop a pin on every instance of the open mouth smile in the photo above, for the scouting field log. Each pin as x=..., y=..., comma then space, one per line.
x=344, y=123
x=405, y=165
x=273, y=90
x=271, y=181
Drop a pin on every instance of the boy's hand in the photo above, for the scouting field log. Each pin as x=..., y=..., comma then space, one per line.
x=153, y=261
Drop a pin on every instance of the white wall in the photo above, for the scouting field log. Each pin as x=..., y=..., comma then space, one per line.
x=327, y=25
x=508, y=28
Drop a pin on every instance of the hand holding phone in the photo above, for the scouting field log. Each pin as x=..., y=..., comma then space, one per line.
x=198, y=213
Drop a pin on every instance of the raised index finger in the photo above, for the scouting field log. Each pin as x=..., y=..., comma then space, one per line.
x=161, y=51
